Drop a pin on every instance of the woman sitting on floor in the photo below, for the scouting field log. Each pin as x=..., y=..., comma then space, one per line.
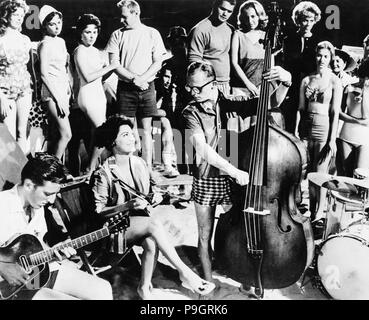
x=117, y=136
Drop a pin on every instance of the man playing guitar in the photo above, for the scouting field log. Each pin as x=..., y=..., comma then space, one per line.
x=22, y=212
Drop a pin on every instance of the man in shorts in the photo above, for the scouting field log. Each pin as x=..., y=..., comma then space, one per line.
x=205, y=121
x=140, y=50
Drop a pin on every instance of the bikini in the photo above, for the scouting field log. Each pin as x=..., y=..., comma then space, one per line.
x=315, y=126
x=354, y=134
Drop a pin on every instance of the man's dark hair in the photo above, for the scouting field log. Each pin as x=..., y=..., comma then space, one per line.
x=44, y=167
x=217, y=3
x=106, y=134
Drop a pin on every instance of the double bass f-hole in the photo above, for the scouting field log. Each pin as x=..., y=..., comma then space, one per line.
x=267, y=247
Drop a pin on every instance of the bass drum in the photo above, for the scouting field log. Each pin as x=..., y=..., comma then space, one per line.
x=343, y=263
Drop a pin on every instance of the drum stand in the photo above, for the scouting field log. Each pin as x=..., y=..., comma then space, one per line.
x=312, y=270
x=314, y=277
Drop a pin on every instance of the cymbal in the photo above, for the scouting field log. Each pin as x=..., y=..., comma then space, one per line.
x=337, y=183
x=340, y=186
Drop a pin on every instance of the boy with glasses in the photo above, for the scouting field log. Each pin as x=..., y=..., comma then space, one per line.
x=205, y=121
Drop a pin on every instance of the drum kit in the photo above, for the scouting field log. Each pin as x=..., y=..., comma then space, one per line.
x=341, y=261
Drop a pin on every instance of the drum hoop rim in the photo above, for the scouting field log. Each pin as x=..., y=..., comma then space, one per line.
x=336, y=195
x=339, y=235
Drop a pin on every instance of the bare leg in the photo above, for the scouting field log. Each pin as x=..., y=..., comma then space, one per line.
x=96, y=114
x=147, y=142
x=363, y=157
x=136, y=134
x=150, y=227
x=169, y=156
x=81, y=285
x=323, y=168
x=149, y=258
x=64, y=130
x=49, y=294
x=205, y=223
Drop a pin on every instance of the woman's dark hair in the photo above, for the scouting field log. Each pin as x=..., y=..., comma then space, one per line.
x=106, y=134
x=49, y=17
x=217, y=3
x=363, y=70
x=44, y=167
x=7, y=8
x=85, y=20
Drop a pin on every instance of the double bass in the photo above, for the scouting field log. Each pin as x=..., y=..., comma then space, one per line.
x=264, y=241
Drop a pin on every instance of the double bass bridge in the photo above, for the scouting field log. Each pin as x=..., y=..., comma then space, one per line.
x=258, y=212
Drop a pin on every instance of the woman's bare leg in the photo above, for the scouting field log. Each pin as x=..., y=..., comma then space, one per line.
x=64, y=129
x=363, y=157
x=322, y=168
x=142, y=227
x=148, y=263
x=97, y=115
x=81, y=285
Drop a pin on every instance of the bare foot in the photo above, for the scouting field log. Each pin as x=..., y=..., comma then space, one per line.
x=145, y=292
x=194, y=283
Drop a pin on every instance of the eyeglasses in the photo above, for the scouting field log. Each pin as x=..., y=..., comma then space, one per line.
x=197, y=89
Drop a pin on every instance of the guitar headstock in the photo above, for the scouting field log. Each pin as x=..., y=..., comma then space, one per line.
x=118, y=223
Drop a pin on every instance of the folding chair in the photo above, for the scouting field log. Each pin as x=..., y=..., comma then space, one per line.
x=74, y=208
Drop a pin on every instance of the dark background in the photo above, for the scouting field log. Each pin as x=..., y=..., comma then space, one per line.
x=162, y=14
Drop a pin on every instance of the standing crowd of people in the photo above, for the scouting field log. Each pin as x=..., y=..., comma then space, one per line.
x=202, y=82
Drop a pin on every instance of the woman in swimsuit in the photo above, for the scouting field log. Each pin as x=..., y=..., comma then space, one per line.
x=353, y=142
x=117, y=136
x=56, y=87
x=15, y=80
x=91, y=68
x=317, y=118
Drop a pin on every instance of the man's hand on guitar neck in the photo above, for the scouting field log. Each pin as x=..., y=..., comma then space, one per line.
x=67, y=252
x=13, y=273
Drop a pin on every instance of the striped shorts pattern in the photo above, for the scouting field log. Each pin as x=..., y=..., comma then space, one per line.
x=212, y=191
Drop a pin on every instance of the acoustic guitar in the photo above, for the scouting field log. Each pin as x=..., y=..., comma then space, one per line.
x=26, y=250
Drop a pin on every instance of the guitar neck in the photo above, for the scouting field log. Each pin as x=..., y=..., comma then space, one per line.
x=47, y=255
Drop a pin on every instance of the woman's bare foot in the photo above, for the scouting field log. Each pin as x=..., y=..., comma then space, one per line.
x=145, y=292
x=196, y=284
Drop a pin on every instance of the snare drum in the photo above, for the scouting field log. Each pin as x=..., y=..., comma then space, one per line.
x=362, y=174
x=343, y=263
x=342, y=211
